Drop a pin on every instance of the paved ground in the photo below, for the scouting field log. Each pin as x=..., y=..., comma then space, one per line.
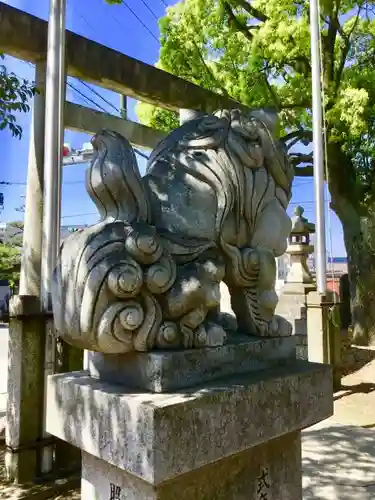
x=339, y=453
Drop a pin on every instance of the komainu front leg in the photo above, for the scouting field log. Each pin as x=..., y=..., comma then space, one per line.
x=251, y=284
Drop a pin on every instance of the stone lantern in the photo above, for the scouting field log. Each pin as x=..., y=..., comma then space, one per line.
x=299, y=282
x=299, y=249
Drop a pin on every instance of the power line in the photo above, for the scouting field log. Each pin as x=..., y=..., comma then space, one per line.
x=74, y=89
x=71, y=216
x=124, y=4
x=85, y=96
x=17, y=183
x=84, y=19
x=149, y=9
x=88, y=99
x=99, y=95
x=78, y=215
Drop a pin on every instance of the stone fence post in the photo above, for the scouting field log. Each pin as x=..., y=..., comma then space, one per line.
x=26, y=367
x=324, y=332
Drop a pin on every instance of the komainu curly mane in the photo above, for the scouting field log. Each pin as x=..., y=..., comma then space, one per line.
x=211, y=207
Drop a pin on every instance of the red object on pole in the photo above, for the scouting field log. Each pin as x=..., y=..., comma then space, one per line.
x=66, y=150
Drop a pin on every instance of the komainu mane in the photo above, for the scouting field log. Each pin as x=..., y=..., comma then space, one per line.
x=211, y=208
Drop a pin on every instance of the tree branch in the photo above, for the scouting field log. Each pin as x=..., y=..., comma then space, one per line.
x=298, y=158
x=336, y=24
x=300, y=134
x=236, y=23
x=251, y=10
x=208, y=70
x=295, y=105
x=307, y=171
x=272, y=93
x=345, y=50
x=300, y=64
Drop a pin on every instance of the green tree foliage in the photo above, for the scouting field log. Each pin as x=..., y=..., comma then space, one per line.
x=9, y=263
x=15, y=94
x=258, y=52
x=10, y=253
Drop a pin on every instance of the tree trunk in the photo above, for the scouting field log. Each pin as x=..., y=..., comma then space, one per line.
x=358, y=222
x=359, y=237
x=360, y=247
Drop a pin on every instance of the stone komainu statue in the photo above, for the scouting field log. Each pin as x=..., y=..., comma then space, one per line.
x=211, y=208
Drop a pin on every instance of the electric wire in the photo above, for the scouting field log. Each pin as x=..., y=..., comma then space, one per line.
x=149, y=9
x=85, y=97
x=125, y=5
x=99, y=95
x=91, y=101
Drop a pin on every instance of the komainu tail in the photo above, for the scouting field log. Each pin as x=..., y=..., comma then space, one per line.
x=113, y=180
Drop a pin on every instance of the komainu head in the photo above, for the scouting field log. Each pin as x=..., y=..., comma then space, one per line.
x=224, y=178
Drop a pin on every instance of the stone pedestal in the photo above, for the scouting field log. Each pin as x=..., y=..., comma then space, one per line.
x=268, y=471
x=292, y=306
x=68, y=358
x=235, y=437
x=299, y=282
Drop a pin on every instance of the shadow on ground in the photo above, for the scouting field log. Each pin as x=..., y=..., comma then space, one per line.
x=356, y=358
x=338, y=462
x=348, y=390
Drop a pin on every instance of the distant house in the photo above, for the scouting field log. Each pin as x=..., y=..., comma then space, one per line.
x=67, y=230
x=8, y=233
x=4, y=297
x=336, y=267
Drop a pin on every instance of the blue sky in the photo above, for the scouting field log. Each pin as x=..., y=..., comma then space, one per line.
x=116, y=27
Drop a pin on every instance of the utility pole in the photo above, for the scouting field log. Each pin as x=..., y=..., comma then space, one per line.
x=318, y=149
x=54, y=124
x=53, y=152
x=123, y=106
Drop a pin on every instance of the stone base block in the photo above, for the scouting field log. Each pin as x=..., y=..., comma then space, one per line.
x=218, y=434
x=163, y=371
x=270, y=471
